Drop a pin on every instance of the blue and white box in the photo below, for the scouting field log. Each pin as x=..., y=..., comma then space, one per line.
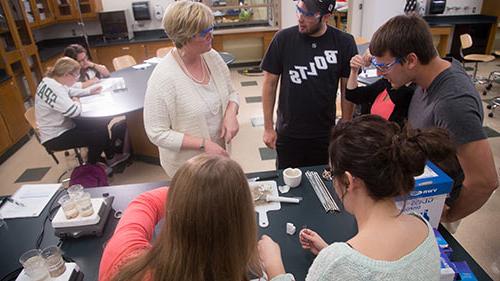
x=429, y=194
x=447, y=273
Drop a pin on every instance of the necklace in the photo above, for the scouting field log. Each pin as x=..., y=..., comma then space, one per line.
x=213, y=107
x=183, y=66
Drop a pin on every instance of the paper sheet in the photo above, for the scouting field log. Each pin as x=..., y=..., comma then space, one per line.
x=155, y=60
x=100, y=101
x=110, y=84
x=34, y=197
x=369, y=73
x=141, y=66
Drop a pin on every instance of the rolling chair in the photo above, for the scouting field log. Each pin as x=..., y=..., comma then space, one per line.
x=465, y=43
x=161, y=52
x=30, y=117
x=123, y=62
x=493, y=77
x=493, y=105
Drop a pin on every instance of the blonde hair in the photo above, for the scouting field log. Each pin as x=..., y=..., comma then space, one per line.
x=62, y=67
x=210, y=231
x=184, y=19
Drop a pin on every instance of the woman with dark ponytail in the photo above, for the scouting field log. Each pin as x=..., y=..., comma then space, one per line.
x=373, y=161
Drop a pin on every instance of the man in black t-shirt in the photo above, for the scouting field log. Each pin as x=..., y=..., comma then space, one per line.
x=310, y=59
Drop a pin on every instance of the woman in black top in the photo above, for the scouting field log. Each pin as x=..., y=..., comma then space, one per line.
x=378, y=98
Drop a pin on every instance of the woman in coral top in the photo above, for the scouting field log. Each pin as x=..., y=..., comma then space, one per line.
x=379, y=98
x=209, y=231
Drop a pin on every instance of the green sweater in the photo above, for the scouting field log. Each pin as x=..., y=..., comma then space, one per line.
x=340, y=262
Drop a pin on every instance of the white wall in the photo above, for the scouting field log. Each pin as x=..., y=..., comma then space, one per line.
x=355, y=17
x=113, y=5
x=377, y=12
x=288, y=15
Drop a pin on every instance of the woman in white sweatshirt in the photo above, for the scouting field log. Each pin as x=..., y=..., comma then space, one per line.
x=56, y=105
x=190, y=105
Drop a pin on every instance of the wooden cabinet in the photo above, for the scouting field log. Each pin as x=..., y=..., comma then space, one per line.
x=12, y=111
x=5, y=141
x=442, y=34
x=39, y=13
x=105, y=55
x=339, y=20
x=50, y=62
x=69, y=10
x=18, y=49
x=265, y=36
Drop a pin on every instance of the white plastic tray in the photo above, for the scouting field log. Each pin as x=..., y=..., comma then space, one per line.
x=61, y=221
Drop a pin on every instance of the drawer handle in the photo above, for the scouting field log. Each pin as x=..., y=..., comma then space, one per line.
x=125, y=48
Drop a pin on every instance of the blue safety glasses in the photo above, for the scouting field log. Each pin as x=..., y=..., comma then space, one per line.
x=206, y=31
x=306, y=14
x=383, y=67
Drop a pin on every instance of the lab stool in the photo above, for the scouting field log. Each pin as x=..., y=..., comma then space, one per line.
x=494, y=75
x=492, y=105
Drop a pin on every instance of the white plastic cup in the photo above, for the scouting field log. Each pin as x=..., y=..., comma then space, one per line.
x=68, y=206
x=53, y=259
x=75, y=190
x=84, y=204
x=34, y=265
x=292, y=177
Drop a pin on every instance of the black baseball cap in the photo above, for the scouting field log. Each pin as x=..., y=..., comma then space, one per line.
x=322, y=6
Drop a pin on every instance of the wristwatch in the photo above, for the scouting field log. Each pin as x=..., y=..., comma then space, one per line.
x=202, y=145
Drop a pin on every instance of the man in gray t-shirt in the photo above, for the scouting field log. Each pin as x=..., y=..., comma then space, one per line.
x=445, y=98
x=450, y=102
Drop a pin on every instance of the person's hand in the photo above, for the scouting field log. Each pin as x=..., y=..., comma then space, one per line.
x=213, y=148
x=270, y=257
x=367, y=59
x=89, y=64
x=230, y=126
x=312, y=241
x=77, y=99
x=269, y=138
x=96, y=90
x=356, y=63
x=92, y=81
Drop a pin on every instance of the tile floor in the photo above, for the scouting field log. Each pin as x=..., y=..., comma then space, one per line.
x=478, y=233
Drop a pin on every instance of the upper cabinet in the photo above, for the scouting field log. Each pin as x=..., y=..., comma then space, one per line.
x=71, y=9
x=20, y=59
x=7, y=43
x=39, y=13
x=15, y=8
x=244, y=13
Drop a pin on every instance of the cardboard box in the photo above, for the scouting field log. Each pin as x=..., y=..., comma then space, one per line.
x=429, y=194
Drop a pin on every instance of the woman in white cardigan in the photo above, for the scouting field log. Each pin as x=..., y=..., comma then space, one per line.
x=190, y=105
